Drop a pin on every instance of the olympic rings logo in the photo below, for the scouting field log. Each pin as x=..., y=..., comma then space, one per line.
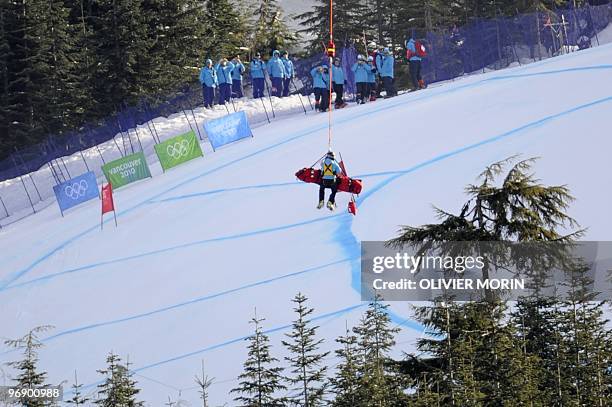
x=178, y=149
x=76, y=190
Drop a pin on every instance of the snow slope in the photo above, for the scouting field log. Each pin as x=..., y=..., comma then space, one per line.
x=199, y=247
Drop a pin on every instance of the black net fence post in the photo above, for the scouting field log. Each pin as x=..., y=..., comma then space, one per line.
x=83, y=144
x=24, y=186
x=29, y=173
x=4, y=207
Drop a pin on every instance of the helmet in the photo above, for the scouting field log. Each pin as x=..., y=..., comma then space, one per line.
x=209, y=61
x=370, y=58
x=330, y=154
x=360, y=57
x=275, y=53
x=284, y=53
x=386, y=50
x=258, y=55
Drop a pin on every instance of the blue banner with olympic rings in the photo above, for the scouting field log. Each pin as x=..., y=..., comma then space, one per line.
x=76, y=191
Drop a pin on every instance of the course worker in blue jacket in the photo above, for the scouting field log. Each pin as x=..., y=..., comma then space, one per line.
x=330, y=170
x=338, y=79
x=208, y=79
x=371, y=88
x=384, y=66
x=276, y=71
x=237, y=77
x=224, y=76
x=320, y=84
x=361, y=70
x=258, y=75
x=414, y=63
x=289, y=72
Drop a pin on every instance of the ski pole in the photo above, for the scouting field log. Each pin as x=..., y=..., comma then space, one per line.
x=300, y=96
x=265, y=110
x=190, y=106
x=233, y=105
x=269, y=95
x=307, y=96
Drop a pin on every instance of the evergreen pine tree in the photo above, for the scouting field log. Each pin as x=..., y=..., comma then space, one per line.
x=345, y=383
x=535, y=321
x=271, y=30
x=224, y=29
x=204, y=383
x=305, y=359
x=77, y=398
x=119, y=34
x=493, y=362
x=381, y=384
x=477, y=357
x=42, y=71
x=260, y=380
x=6, y=56
x=29, y=376
x=118, y=388
x=585, y=364
x=349, y=19
x=175, y=30
x=519, y=210
x=84, y=62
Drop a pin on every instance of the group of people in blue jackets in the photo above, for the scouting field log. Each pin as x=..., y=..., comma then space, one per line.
x=226, y=76
x=366, y=71
x=373, y=73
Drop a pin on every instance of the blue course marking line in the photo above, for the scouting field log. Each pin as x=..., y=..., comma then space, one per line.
x=387, y=106
x=233, y=341
x=489, y=140
x=168, y=249
x=191, y=302
x=555, y=72
x=224, y=190
x=352, y=249
x=198, y=300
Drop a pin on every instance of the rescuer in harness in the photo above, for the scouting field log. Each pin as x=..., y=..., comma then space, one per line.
x=329, y=179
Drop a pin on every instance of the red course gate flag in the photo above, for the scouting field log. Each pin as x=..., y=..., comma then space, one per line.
x=107, y=203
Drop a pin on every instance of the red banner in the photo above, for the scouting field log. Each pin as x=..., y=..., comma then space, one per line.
x=107, y=199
